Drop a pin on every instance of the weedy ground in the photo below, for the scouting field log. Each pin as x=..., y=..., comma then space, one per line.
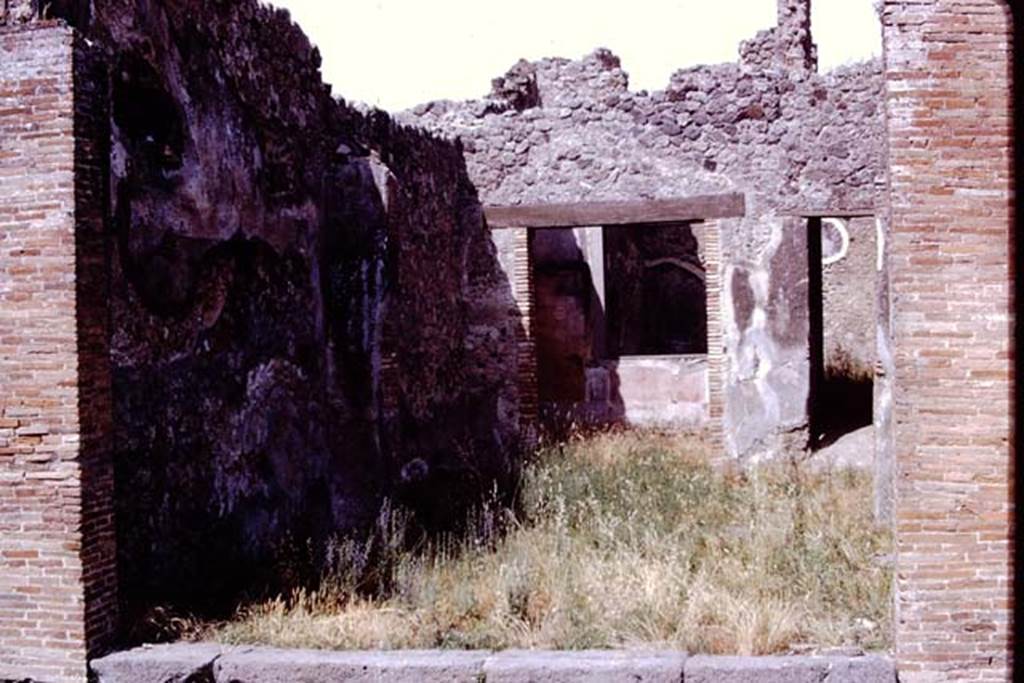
x=626, y=539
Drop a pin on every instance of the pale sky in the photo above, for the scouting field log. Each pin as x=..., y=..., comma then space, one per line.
x=398, y=53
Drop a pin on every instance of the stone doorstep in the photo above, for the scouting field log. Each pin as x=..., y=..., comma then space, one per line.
x=863, y=669
x=212, y=663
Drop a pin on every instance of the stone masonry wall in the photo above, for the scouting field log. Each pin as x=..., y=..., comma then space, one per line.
x=793, y=140
x=57, y=579
x=951, y=158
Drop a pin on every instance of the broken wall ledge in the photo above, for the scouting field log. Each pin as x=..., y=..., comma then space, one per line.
x=239, y=664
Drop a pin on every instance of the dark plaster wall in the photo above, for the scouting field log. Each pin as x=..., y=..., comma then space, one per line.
x=302, y=303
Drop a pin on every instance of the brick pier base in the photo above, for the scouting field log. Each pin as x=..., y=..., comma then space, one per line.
x=949, y=101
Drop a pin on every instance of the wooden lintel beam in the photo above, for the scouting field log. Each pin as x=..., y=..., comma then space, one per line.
x=837, y=213
x=588, y=214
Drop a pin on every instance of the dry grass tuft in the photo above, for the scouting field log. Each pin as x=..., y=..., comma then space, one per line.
x=624, y=539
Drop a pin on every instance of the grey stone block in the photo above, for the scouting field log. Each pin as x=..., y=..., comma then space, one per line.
x=525, y=666
x=210, y=663
x=158, y=663
x=267, y=665
x=865, y=669
x=868, y=669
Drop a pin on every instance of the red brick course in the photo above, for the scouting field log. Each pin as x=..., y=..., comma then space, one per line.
x=949, y=108
x=526, y=346
x=717, y=361
x=57, y=579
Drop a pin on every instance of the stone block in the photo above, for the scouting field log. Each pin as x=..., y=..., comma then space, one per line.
x=268, y=665
x=869, y=669
x=865, y=669
x=519, y=666
x=158, y=664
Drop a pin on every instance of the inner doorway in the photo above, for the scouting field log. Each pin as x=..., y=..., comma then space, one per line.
x=845, y=258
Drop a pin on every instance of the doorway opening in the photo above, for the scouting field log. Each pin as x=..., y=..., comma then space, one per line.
x=621, y=302
x=844, y=259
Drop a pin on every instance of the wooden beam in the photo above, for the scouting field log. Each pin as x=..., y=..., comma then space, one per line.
x=867, y=212
x=592, y=214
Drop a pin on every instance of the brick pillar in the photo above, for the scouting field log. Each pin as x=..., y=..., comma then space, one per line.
x=950, y=142
x=526, y=346
x=712, y=258
x=57, y=559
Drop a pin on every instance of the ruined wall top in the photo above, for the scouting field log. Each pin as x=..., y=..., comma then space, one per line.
x=794, y=141
x=787, y=46
x=771, y=125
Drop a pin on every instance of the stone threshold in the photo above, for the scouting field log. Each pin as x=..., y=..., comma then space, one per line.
x=210, y=663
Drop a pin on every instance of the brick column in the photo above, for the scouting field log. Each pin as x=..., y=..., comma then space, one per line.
x=526, y=346
x=948, y=98
x=712, y=258
x=57, y=560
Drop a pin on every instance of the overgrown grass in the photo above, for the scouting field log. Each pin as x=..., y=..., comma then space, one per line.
x=623, y=540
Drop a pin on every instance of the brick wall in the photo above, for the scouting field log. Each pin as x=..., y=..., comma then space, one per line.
x=950, y=146
x=712, y=257
x=526, y=346
x=57, y=583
